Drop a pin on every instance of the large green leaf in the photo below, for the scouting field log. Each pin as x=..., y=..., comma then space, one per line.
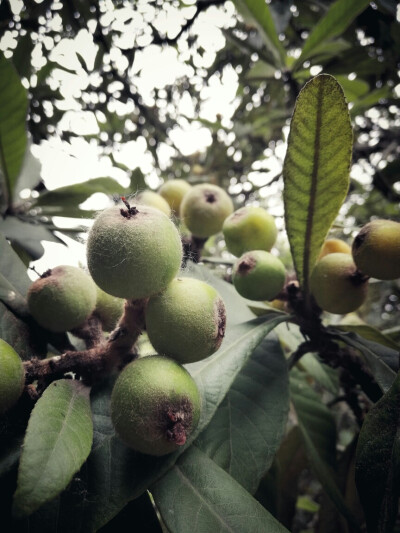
x=316, y=169
x=318, y=429
x=199, y=495
x=260, y=14
x=337, y=19
x=13, y=137
x=73, y=195
x=57, y=442
x=12, y=268
x=378, y=462
x=27, y=234
x=117, y=474
x=247, y=428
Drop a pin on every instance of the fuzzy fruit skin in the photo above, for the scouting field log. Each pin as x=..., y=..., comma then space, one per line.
x=186, y=321
x=204, y=209
x=249, y=228
x=148, y=395
x=335, y=284
x=62, y=300
x=134, y=257
x=332, y=246
x=173, y=192
x=258, y=275
x=153, y=199
x=109, y=309
x=12, y=376
x=376, y=249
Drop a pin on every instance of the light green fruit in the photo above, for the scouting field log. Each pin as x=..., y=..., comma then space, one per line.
x=12, y=376
x=173, y=192
x=187, y=320
x=376, y=249
x=155, y=405
x=133, y=255
x=62, y=299
x=109, y=309
x=336, y=285
x=249, y=228
x=332, y=246
x=153, y=199
x=204, y=209
x=258, y=275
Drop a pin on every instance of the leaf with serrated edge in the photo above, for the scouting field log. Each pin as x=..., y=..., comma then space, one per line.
x=198, y=492
x=378, y=462
x=247, y=428
x=13, y=136
x=118, y=474
x=316, y=169
x=337, y=19
x=57, y=442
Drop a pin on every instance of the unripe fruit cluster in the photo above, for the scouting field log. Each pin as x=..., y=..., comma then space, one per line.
x=135, y=253
x=339, y=280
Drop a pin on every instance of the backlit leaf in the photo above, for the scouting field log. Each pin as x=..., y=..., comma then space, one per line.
x=13, y=137
x=316, y=169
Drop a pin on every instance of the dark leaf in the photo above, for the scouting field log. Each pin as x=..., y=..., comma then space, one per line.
x=378, y=462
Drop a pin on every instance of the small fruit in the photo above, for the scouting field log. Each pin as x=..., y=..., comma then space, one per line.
x=249, y=228
x=12, y=376
x=204, y=209
x=186, y=321
x=336, y=285
x=108, y=308
x=62, y=299
x=258, y=275
x=173, y=192
x=332, y=246
x=133, y=253
x=155, y=405
x=153, y=199
x=376, y=249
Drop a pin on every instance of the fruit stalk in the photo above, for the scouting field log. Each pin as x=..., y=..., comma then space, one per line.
x=98, y=360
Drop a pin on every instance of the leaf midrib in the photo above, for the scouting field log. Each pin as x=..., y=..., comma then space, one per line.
x=313, y=191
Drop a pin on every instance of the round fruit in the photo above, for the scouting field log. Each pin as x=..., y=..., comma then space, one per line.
x=109, y=309
x=376, y=249
x=155, y=405
x=258, y=275
x=249, y=228
x=173, y=192
x=336, y=285
x=204, y=209
x=62, y=299
x=153, y=199
x=187, y=320
x=133, y=253
x=12, y=376
x=332, y=246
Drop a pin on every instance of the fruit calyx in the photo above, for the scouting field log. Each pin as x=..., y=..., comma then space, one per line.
x=210, y=197
x=246, y=265
x=178, y=421
x=129, y=212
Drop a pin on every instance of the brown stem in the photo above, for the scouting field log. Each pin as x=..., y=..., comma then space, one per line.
x=98, y=360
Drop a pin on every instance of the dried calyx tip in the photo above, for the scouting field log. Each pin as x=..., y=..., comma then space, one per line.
x=210, y=197
x=129, y=211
